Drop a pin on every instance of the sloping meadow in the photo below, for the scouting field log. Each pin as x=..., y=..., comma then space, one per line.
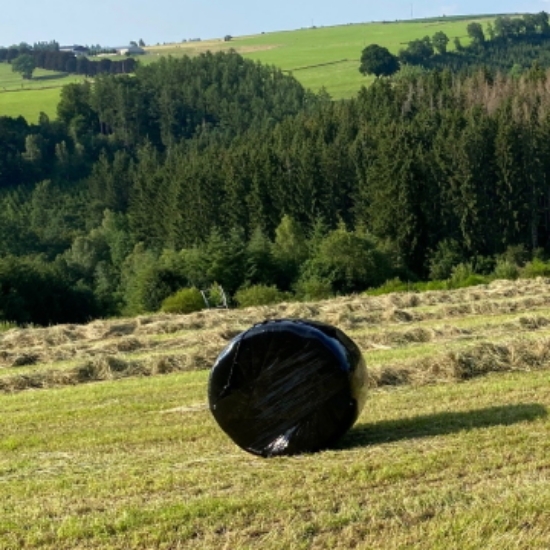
x=106, y=440
x=407, y=338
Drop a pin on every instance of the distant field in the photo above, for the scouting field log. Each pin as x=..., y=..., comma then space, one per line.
x=29, y=103
x=106, y=440
x=337, y=49
x=322, y=57
x=29, y=97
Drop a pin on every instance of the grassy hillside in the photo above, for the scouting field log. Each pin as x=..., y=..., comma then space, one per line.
x=327, y=56
x=106, y=440
x=29, y=97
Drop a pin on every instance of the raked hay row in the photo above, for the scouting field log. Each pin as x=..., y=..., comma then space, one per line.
x=106, y=440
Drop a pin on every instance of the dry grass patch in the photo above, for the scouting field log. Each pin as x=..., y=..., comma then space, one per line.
x=399, y=333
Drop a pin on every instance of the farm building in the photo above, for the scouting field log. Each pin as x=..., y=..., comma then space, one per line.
x=77, y=50
x=130, y=50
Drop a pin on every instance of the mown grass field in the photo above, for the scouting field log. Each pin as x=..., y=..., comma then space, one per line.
x=327, y=56
x=106, y=440
x=28, y=98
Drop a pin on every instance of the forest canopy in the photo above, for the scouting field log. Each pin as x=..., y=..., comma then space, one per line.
x=509, y=44
x=216, y=170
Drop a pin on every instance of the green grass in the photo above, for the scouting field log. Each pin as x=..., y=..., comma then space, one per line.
x=4, y=326
x=324, y=57
x=141, y=464
x=327, y=56
x=30, y=103
x=28, y=98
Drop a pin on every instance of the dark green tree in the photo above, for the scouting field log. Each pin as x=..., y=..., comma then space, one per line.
x=400, y=171
x=475, y=32
x=110, y=183
x=378, y=61
x=153, y=208
x=447, y=255
x=349, y=261
x=418, y=52
x=226, y=259
x=440, y=41
x=542, y=22
x=35, y=291
x=75, y=111
x=260, y=265
x=504, y=27
x=289, y=251
x=470, y=186
x=530, y=23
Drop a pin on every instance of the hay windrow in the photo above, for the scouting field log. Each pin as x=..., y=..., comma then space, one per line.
x=107, y=368
x=454, y=366
x=159, y=344
x=26, y=359
x=522, y=355
x=534, y=322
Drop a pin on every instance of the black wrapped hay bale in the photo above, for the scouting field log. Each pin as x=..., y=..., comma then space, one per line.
x=287, y=387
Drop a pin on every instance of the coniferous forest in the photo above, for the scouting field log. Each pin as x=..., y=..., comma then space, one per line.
x=220, y=171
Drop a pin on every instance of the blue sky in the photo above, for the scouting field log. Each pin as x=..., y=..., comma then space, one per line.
x=116, y=22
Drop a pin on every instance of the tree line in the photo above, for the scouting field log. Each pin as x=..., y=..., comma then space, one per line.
x=219, y=170
x=62, y=61
x=508, y=44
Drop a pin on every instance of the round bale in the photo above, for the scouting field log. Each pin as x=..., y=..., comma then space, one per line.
x=287, y=387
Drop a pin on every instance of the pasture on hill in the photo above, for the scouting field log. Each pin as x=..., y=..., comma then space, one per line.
x=325, y=56
x=318, y=57
x=106, y=440
x=28, y=98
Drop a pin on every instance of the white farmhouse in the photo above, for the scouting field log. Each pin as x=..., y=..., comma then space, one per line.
x=130, y=50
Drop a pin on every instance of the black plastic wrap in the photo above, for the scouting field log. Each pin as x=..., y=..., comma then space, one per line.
x=288, y=387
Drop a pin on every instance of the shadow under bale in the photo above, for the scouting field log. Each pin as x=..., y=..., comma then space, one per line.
x=391, y=431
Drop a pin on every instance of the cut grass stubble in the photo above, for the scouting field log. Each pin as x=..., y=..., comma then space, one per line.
x=123, y=464
x=451, y=450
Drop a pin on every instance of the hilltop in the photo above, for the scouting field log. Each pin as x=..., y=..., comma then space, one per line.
x=318, y=57
x=326, y=56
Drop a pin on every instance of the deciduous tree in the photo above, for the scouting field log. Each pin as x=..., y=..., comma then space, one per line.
x=475, y=32
x=378, y=61
x=440, y=41
x=24, y=64
x=417, y=52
